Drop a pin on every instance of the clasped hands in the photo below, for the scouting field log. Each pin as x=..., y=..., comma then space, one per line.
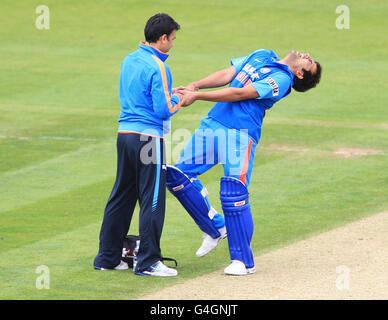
x=187, y=95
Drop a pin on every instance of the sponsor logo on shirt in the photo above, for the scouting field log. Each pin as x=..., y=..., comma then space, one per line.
x=247, y=75
x=251, y=71
x=274, y=86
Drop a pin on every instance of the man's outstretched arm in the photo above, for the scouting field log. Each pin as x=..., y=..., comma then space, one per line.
x=215, y=80
x=222, y=95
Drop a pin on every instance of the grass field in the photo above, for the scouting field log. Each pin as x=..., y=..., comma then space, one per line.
x=58, y=120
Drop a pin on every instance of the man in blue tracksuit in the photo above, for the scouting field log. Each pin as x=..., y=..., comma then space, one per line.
x=147, y=102
x=229, y=135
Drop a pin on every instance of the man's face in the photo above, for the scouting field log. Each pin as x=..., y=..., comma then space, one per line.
x=167, y=42
x=301, y=61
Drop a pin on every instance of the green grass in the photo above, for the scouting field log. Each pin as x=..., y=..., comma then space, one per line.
x=59, y=106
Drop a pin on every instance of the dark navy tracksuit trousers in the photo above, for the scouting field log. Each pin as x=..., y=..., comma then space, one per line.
x=141, y=177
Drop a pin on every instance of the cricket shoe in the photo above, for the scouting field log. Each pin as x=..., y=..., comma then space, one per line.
x=237, y=268
x=209, y=243
x=121, y=266
x=158, y=269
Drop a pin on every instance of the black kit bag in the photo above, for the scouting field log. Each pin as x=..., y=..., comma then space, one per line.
x=131, y=245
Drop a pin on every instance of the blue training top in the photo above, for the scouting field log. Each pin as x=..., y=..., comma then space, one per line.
x=145, y=92
x=272, y=80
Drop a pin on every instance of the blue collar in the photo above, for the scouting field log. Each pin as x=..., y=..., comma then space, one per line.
x=161, y=55
x=275, y=59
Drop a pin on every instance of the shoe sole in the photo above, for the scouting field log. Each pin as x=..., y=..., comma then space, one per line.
x=105, y=269
x=248, y=272
x=101, y=269
x=155, y=274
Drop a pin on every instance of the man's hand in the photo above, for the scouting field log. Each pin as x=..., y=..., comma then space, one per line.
x=188, y=97
x=175, y=90
x=179, y=95
x=192, y=87
x=187, y=93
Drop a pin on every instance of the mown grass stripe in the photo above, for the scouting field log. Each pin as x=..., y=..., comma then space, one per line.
x=64, y=173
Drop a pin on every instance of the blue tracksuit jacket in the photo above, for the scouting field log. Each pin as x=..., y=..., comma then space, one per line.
x=145, y=92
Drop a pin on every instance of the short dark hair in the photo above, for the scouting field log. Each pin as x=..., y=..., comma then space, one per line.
x=309, y=80
x=158, y=25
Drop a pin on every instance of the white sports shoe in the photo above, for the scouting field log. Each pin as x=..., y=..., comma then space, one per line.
x=121, y=266
x=237, y=268
x=158, y=269
x=209, y=243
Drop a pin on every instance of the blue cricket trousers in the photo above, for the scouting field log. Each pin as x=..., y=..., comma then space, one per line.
x=213, y=143
x=141, y=177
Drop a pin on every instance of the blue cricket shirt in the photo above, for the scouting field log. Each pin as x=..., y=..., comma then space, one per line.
x=272, y=80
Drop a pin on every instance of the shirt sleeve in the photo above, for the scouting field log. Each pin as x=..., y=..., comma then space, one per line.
x=273, y=87
x=238, y=63
x=164, y=104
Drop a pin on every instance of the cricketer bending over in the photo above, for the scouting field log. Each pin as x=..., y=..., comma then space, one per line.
x=229, y=135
